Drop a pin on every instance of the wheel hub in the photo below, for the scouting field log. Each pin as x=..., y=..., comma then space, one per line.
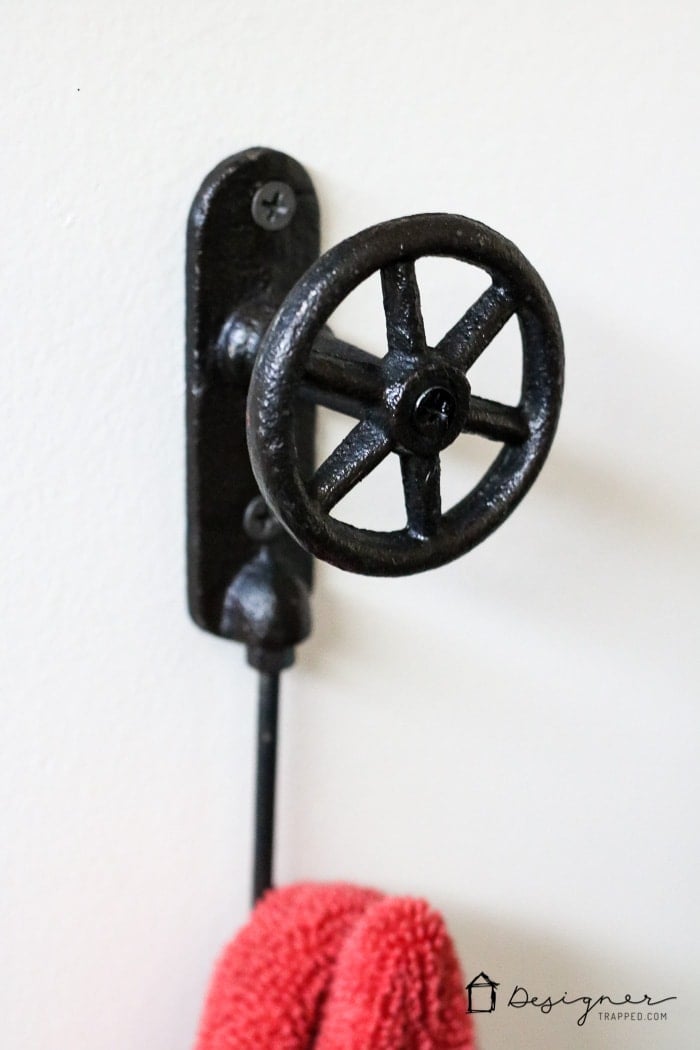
x=428, y=409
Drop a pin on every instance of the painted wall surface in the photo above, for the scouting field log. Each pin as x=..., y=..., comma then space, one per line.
x=515, y=736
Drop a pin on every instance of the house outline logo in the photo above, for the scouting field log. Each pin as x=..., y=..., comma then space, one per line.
x=481, y=994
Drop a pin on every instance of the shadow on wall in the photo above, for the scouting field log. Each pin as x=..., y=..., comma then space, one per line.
x=605, y=496
x=616, y=463
x=608, y=549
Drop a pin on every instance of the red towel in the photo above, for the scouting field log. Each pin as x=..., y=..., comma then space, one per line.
x=337, y=967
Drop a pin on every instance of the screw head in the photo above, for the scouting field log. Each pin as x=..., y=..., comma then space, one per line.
x=434, y=413
x=426, y=404
x=274, y=205
x=259, y=521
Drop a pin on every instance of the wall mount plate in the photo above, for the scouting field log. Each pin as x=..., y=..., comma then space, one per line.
x=253, y=231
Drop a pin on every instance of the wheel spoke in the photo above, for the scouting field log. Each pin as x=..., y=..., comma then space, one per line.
x=499, y=422
x=482, y=322
x=421, y=487
x=338, y=368
x=359, y=453
x=404, y=321
x=348, y=406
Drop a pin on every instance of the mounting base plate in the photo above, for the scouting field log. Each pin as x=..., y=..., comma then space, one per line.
x=253, y=231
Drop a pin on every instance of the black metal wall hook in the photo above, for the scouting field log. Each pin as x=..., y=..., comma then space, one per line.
x=259, y=349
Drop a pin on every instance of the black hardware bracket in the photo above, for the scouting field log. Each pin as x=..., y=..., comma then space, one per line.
x=253, y=231
x=261, y=357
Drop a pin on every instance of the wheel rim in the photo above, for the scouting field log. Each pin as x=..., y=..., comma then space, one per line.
x=431, y=537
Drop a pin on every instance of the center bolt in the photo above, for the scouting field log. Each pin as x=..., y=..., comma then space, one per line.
x=434, y=412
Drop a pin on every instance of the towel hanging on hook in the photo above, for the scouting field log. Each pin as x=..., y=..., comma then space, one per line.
x=338, y=967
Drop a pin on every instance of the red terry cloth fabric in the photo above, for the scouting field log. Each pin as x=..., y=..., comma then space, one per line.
x=338, y=967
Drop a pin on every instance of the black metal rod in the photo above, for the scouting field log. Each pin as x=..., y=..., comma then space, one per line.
x=268, y=703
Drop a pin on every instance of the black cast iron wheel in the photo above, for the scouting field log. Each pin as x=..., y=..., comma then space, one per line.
x=414, y=402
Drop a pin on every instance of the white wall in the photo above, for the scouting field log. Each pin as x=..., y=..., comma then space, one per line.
x=513, y=736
